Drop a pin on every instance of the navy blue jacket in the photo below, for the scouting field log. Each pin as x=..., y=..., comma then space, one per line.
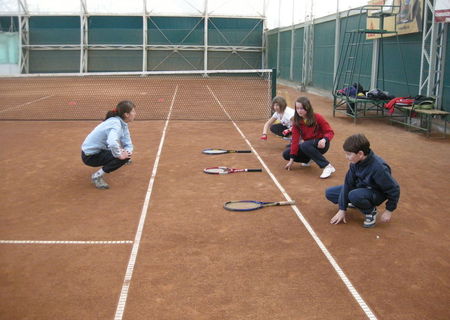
x=372, y=173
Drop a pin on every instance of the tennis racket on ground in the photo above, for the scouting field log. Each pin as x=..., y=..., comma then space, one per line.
x=225, y=170
x=221, y=151
x=249, y=205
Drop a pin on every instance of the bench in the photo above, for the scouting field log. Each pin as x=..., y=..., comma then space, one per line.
x=359, y=107
x=424, y=118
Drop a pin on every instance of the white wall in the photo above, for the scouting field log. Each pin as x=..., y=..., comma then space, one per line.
x=253, y=8
x=9, y=69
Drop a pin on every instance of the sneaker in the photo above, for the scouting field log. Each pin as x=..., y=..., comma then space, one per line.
x=351, y=205
x=327, y=171
x=306, y=164
x=100, y=183
x=370, y=219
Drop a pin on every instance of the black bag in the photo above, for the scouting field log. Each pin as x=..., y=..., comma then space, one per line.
x=377, y=94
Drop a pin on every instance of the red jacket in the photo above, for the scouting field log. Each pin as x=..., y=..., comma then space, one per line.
x=400, y=101
x=322, y=129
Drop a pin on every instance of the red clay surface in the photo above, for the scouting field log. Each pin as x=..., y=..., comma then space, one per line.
x=199, y=261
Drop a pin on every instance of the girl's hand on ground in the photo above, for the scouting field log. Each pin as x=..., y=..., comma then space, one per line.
x=338, y=217
x=289, y=165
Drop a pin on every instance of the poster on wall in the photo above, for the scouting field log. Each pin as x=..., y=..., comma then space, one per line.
x=442, y=11
x=399, y=17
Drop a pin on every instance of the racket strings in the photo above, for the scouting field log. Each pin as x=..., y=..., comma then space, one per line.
x=242, y=205
x=216, y=170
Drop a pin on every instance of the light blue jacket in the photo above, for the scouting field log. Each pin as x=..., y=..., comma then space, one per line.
x=112, y=134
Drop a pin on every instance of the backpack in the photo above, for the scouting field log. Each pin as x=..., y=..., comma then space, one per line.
x=423, y=103
x=377, y=94
x=349, y=91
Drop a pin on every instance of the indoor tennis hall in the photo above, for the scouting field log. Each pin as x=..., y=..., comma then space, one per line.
x=159, y=244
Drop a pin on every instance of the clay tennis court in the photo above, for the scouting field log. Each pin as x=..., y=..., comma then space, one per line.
x=159, y=245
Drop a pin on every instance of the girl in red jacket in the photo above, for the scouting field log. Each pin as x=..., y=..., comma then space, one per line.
x=311, y=136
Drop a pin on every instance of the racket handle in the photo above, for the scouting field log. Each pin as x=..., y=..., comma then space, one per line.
x=243, y=151
x=285, y=203
x=253, y=170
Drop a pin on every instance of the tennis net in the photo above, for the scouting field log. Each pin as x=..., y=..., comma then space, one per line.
x=185, y=95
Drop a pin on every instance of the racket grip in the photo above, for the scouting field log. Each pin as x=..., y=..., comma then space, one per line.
x=243, y=151
x=285, y=203
x=253, y=170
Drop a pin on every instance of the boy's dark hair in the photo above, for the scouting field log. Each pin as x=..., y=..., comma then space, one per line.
x=357, y=142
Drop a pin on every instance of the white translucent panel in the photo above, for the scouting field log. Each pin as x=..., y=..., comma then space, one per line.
x=351, y=4
x=272, y=14
x=52, y=6
x=9, y=6
x=114, y=6
x=287, y=12
x=176, y=7
x=279, y=13
x=252, y=8
x=325, y=8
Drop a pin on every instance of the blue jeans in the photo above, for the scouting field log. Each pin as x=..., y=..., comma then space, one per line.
x=364, y=199
x=308, y=151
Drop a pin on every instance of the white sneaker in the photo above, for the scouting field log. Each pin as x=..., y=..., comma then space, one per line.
x=327, y=171
x=306, y=164
x=99, y=183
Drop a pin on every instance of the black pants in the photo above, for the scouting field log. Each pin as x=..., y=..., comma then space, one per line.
x=278, y=129
x=308, y=151
x=104, y=158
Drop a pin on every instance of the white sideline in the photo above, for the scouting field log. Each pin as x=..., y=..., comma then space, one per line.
x=26, y=103
x=63, y=242
x=137, y=239
x=308, y=227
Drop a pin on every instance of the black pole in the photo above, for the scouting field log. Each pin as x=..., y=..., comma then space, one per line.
x=274, y=83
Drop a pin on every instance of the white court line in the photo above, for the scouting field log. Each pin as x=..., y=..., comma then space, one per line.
x=62, y=242
x=137, y=240
x=308, y=227
x=27, y=103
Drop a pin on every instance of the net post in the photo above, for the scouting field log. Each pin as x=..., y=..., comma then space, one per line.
x=274, y=83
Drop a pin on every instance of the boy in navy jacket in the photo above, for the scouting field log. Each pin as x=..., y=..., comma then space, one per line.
x=368, y=183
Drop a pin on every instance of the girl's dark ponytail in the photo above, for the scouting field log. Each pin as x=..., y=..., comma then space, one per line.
x=111, y=113
x=122, y=108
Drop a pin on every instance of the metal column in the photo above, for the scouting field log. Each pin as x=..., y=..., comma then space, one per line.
x=24, y=35
x=308, y=48
x=432, y=64
x=83, y=37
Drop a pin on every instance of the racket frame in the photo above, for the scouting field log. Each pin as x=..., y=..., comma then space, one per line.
x=229, y=170
x=261, y=204
x=222, y=151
